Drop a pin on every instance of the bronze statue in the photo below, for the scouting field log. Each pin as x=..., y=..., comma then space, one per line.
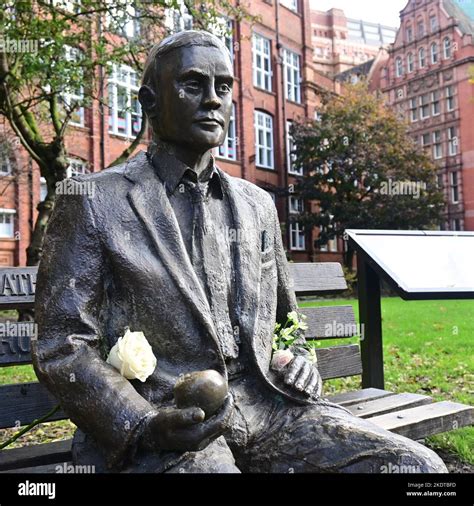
x=151, y=251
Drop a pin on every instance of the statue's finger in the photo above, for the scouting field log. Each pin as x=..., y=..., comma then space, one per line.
x=293, y=370
x=312, y=382
x=303, y=377
x=185, y=417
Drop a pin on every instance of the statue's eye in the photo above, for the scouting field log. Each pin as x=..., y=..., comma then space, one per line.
x=223, y=88
x=192, y=85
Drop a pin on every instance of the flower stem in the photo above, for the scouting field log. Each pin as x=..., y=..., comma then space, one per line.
x=29, y=427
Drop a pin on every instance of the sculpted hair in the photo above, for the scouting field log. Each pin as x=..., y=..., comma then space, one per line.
x=178, y=40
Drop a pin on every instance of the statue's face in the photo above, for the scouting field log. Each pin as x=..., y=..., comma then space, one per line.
x=194, y=101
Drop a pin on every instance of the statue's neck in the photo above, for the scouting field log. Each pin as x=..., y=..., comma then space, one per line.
x=196, y=161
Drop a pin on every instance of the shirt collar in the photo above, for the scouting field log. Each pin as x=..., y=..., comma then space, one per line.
x=173, y=172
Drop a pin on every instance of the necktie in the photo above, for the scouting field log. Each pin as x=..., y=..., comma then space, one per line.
x=207, y=259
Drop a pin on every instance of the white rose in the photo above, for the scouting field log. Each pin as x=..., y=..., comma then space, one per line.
x=280, y=359
x=133, y=356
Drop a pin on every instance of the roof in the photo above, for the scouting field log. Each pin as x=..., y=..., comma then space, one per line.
x=463, y=11
x=359, y=70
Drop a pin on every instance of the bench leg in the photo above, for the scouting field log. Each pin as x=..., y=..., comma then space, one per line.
x=371, y=321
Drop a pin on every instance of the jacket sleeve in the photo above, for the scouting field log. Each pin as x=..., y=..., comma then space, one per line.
x=68, y=355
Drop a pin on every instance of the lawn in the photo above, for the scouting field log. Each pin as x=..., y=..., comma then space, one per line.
x=428, y=349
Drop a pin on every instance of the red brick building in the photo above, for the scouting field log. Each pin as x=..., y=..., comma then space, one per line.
x=341, y=43
x=426, y=77
x=276, y=84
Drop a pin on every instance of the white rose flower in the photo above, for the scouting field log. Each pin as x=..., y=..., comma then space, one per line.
x=280, y=359
x=133, y=356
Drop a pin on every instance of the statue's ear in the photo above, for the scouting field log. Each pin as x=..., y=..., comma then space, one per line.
x=147, y=98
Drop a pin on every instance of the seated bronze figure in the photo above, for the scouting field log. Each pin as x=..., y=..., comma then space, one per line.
x=151, y=252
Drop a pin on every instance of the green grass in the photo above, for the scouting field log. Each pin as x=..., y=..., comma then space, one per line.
x=428, y=349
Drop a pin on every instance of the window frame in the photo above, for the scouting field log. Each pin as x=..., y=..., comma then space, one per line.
x=292, y=75
x=233, y=139
x=454, y=187
x=422, y=57
x=131, y=90
x=434, y=55
x=264, y=75
x=11, y=213
x=297, y=230
x=268, y=150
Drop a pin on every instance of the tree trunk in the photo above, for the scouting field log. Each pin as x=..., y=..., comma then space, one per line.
x=33, y=252
x=349, y=258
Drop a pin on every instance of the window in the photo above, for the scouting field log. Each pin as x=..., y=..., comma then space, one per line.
x=398, y=67
x=290, y=4
x=456, y=225
x=450, y=98
x=7, y=217
x=433, y=23
x=413, y=110
x=229, y=148
x=125, y=114
x=122, y=18
x=296, y=205
x=454, y=183
x=452, y=141
x=447, y=48
x=409, y=34
x=437, y=147
x=424, y=107
x=297, y=237
x=5, y=164
x=421, y=57
x=264, y=140
x=435, y=104
x=425, y=140
x=178, y=18
x=224, y=29
x=410, y=65
x=262, y=69
x=76, y=167
x=74, y=94
x=292, y=74
x=420, y=28
x=434, y=52
x=290, y=147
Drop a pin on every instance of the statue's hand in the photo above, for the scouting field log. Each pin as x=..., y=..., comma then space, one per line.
x=185, y=429
x=303, y=376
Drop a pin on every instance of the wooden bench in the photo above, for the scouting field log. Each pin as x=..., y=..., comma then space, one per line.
x=412, y=415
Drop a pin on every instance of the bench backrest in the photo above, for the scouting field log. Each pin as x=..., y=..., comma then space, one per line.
x=22, y=403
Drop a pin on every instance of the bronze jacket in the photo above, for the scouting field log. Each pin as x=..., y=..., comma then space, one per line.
x=114, y=259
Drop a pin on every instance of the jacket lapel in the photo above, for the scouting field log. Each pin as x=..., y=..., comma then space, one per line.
x=246, y=255
x=149, y=200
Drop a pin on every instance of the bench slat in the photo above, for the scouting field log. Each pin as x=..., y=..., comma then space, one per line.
x=27, y=401
x=317, y=278
x=389, y=404
x=24, y=403
x=366, y=394
x=329, y=322
x=17, y=287
x=46, y=469
x=424, y=421
x=36, y=455
x=339, y=361
x=15, y=342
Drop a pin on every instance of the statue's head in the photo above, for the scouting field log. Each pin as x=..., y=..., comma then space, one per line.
x=186, y=90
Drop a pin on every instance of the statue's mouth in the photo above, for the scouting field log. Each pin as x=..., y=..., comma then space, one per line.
x=210, y=121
